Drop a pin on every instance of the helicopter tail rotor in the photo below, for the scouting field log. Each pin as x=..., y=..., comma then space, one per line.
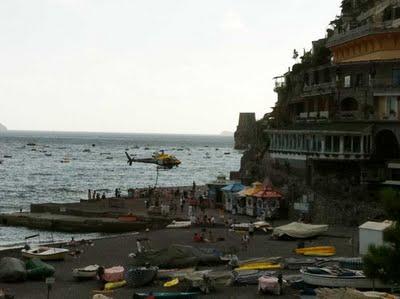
x=130, y=160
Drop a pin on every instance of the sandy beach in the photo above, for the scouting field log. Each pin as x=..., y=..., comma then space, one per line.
x=114, y=251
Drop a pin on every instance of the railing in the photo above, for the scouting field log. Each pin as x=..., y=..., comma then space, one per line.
x=384, y=83
x=349, y=114
x=326, y=85
x=315, y=115
x=356, y=33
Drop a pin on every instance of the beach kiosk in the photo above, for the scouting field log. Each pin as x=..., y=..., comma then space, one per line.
x=215, y=193
x=371, y=233
x=268, y=202
x=231, y=197
x=251, y=201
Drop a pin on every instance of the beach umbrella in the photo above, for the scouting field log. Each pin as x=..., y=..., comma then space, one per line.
x=255, y=188
x=236, y=187
x=268, y=192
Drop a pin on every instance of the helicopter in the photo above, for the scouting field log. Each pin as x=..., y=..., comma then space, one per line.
x=161, y=159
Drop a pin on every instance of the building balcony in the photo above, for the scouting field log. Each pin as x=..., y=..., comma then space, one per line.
x=349, y=115
x=361, y=31
x=319, y=89
x=385, y=87
x=312, y=116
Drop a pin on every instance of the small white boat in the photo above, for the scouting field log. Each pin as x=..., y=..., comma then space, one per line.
x=179, y=224
x=45, y=253
x=88, y=272
x=343, y=278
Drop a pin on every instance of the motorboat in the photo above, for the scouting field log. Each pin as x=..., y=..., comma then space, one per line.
x=45, y=253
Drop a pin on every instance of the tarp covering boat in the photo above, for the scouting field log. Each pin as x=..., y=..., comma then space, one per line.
x=12, y=270
x=175, y=256
x=268, y=284
x=38, y=270
x=299, y=230
x=140, y=276
x=249, y=277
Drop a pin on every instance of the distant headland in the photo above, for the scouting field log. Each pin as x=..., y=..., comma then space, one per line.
x=3, y=128
x=226, y=133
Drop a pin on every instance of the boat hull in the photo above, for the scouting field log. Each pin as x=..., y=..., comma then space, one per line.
x=358, y=282
x=48, y=255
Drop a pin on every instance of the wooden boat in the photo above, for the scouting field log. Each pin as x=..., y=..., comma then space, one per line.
x=88, y=272
x=167, y=295
x=45, y=253
x=317, y=251
x=128, y=218
x=179, y=224
x=171, y=283
x=260, y=266
x=339, y=278
x=114, y=285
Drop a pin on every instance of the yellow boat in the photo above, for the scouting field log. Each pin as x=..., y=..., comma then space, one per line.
x=114, y=285
x=317, y=251
x=171, y=283
x=260, y=266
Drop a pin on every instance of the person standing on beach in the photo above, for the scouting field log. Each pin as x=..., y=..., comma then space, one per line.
x=245, y=241
x=89, y=194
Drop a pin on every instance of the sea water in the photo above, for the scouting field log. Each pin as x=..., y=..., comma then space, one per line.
x=97, y=161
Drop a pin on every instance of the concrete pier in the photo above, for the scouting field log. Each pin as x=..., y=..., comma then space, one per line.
x=69, y=223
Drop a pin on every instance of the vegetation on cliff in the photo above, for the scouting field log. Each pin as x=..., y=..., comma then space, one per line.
x=382, y=262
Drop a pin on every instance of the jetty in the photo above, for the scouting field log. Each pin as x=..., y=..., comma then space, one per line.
x=109, y=215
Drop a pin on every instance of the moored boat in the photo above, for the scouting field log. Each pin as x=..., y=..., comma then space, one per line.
x=339, y=278
x=88, y=272
x=45, y=253
x=317, y=251
x=170, y=295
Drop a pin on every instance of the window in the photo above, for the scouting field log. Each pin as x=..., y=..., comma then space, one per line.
x=336, y=144
x=316, y=77
x=391, y=106
x=396, y=77
x=359, y=80
x=356, y=144
x=328, y=143
x=347, y=81
x=347, y=144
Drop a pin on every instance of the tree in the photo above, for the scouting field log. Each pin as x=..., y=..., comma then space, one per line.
x=382, y=262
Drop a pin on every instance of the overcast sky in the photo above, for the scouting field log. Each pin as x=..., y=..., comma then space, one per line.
x=159, y=66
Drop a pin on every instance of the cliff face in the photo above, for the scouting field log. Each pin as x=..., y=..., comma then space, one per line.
x=245, y=132
x=2, y=128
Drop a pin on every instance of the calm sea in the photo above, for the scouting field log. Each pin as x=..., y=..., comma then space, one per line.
x=35, y=174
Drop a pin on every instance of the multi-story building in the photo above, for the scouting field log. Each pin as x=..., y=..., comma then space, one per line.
x=340, y=106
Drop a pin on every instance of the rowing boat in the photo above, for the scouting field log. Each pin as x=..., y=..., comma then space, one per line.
x=45, y=253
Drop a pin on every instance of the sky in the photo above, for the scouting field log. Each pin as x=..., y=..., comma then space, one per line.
x=149, y=66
